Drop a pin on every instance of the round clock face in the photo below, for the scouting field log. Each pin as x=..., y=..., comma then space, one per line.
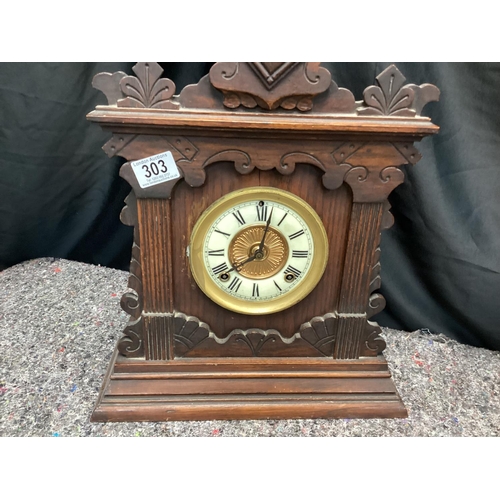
x=258, y=250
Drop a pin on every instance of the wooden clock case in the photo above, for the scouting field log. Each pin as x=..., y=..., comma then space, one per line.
x=281, y=125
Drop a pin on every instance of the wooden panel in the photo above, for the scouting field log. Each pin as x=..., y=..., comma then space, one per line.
x=364, y=233
x=156, y=238
x=334, y=208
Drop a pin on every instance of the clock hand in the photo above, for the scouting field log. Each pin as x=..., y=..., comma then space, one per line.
x=238, y=266
x=261, y=246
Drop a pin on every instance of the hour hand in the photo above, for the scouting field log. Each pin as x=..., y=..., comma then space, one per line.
x=237, y=266
x=261, y=246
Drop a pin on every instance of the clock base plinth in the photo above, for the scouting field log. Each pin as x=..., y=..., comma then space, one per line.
x=246, y=388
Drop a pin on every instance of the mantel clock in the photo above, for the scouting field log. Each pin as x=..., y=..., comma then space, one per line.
x=258, y=197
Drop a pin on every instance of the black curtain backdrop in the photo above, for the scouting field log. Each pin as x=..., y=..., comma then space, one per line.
x=61, y=196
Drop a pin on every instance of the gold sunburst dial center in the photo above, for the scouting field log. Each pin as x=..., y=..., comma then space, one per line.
x=268, y=262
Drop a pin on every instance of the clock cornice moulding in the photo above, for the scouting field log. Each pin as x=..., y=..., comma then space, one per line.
x=196, y=120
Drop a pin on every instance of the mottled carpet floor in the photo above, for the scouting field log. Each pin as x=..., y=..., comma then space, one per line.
x=60, y=320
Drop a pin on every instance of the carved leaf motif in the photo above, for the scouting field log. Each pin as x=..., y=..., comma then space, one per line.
x=390, y=98
x=319, y=332
x=147, y=90
x=189, y=331
x=256, y=338
x=375, y=99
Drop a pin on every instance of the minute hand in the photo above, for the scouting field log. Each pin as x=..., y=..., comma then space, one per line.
x=261, y=246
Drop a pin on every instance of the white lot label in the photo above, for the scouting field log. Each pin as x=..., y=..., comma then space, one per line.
x=155, y=169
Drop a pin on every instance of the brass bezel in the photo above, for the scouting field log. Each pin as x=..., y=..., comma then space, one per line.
x=296, y=294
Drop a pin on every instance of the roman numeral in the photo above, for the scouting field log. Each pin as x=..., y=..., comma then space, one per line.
x=235, y=284
x=216, y=253
x=222, y=232
x=255, y=292
x=239, y=217
x=262, y=213
x=302, y=254
x=277, y=286
x=291, y=269
x=220, y=268
x=282, y=219
x=297, y=234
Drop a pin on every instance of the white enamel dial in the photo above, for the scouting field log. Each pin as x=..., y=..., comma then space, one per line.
x=258, y=286
x=258, y=250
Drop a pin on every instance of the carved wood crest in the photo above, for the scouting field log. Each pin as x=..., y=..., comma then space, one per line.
x=264, y=84
x=269, y=86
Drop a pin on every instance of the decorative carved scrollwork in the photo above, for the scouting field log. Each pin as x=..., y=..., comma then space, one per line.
x=131, y=302
x=109, y=85
x=372, y=343
x=263, y=84
x=131, y=344
x=371, y=169
x=255, y=338
x=320, y=333
x=391, y=98
x=286, y=165
x=376, y=303
x=194, y=338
